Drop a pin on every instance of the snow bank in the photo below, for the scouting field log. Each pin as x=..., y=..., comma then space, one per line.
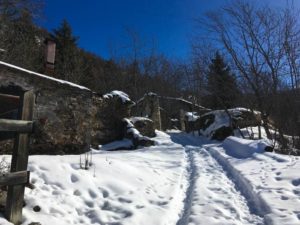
x=243, y=148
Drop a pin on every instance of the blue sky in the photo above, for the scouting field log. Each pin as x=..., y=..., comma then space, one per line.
x=102, y=24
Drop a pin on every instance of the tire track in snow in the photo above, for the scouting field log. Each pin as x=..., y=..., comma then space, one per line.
x=256, y=204
x=192, y=176
x=212, y=196
x=217, y=197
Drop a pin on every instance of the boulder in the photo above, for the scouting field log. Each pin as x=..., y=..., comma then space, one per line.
x=133, y=134
x=144, y=125
x=219, y=125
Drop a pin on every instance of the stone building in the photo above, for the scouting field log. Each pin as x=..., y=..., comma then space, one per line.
x=166, y=112
x=68, y=117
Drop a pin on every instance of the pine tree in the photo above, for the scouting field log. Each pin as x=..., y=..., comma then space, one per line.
x=19, y=36
x=68, y=61
x=222, y=85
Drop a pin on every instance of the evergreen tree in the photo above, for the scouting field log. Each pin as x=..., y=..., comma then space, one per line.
x=68, y=61
x=19, y=37
x=222, y=85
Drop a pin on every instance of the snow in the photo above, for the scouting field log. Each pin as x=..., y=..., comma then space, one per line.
x=221, y=119
x=132, y=130
x=125, y=98
x=127, y=187
x=192, y=116
x=243, y=148
x=183, y=180
x=43, y=76
x=122, y=144
x=135, y=119
x=273, y=180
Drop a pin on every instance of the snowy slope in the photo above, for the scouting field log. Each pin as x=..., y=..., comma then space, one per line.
x=273, y=178
x=128, y=187
x=182, y=180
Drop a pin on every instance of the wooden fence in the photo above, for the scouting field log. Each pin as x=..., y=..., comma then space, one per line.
x=18, y=176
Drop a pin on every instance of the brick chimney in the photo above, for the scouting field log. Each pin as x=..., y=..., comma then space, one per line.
x=49, y=56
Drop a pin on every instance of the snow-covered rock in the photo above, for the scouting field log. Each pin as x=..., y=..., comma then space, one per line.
x=120, y=95
x=144, y=125
x=137, y=138
x=192, y=116
x=243, y=148
x=219, y=124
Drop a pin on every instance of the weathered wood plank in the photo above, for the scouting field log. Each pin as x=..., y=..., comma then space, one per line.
x=19, y=126
x=21, y=177
x=15, y=194
x=14, y=97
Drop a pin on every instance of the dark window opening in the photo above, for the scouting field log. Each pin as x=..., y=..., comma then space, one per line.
x=9, y=106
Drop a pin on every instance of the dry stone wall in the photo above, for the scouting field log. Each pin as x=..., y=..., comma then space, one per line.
x=68, y=118
x=61, y=113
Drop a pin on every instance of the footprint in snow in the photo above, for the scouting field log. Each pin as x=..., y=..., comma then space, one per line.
x=159, y=203
x=92, y=194
x=284, y=198
x=122, y=213
x=74, y=178
x=296, y=192
x=124, y=200
x=296, y=182
x=105, y=193
x=77, y=193
x=43, y=168
x=90, y=204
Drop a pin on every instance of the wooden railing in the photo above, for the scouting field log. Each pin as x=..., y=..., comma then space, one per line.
x=18, y=176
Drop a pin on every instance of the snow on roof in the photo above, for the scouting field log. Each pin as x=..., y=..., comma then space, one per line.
x=43, y=76
x=125, y=98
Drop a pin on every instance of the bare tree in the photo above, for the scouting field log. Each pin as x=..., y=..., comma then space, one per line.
x=254, y=39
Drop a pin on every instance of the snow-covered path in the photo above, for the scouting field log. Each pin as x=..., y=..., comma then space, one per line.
x=182, y=180
x=211, y=197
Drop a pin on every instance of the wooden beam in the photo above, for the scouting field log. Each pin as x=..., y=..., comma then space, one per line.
x=21, y=177
x=12, y=97
x=19, y=126
x=15, y=193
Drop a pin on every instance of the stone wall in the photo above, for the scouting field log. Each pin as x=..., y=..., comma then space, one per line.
x=62, y=112
x=107, y=118
x=149, y=107
x=166, y=112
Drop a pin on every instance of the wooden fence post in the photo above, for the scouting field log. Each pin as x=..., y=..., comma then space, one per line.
x=15, y=194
